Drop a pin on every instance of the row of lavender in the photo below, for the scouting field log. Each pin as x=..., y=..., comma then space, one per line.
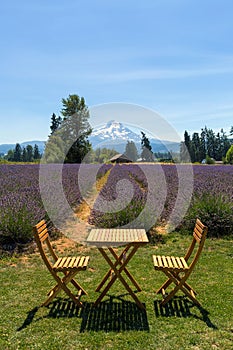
x=120, y=201
x=22, y=204
x=164, y=193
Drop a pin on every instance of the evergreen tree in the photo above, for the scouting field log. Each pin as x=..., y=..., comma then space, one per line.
x=196, y=147
x=55, y=123
x=210, y=143
x=75, y=128
x=146, y=154
x=131, y=151
x=71, y=132
x=36, y=152
x=29, y=152
x=24, y=155
x=189, y=147
x=10, y=155
x=225, y=144
x=202, y=145
x=17, y=153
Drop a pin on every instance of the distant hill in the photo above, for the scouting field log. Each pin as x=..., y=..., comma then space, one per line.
x=5, y=147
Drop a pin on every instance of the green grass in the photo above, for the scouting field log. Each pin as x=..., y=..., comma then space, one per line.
x=117, y=323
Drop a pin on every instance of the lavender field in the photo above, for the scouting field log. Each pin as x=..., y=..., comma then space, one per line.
x=133, y=195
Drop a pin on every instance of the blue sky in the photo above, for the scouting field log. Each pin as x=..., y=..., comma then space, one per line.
x=172, y=56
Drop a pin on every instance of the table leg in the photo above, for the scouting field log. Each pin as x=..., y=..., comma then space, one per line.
x=118, y=261
x=118, y=275
x=139, y=289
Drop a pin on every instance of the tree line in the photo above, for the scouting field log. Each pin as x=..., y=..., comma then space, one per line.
x=23, y=154
x=206, y=146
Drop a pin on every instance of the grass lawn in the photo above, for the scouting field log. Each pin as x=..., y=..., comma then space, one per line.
x=118, y=323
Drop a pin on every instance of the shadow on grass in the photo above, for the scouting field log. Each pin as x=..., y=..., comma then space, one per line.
x=182, y=307
x=107, y=316
x=58, y=308
x=114, y=316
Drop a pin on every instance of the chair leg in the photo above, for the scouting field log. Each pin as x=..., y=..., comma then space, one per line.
x=78, y=286
x=167, y=283
x=180, y=285
x=62, y=285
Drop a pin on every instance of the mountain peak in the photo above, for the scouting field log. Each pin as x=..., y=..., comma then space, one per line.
x=113, y=130
x=115, y=135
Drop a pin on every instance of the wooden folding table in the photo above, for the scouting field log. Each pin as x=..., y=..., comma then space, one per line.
x=131, y=240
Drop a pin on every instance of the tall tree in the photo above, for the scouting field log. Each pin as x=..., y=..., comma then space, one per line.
x=196, y=147
x=131, y=151
x=29, y=150
x=55, y=123
x=10, y=155
x=75, y=128
x=17, y=153
x=36, y=152
x=70, y=132
x=188, y=147
x=146, y=154
x=24, y=155
x=72, y=105
x=202, y=145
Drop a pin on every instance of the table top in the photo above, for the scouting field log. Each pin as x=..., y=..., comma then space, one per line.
x=103, y=237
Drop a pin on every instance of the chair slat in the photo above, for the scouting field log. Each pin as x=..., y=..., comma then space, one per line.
x=41, y=223
x=170, y=264
x=164, y=261
x=174, y=262
x=155, y=262
x=179, y=263
x=71, y=263
x=197, y=238
x=67, y=261
x=198, y=233
x=41, y=229
x=199, y=228
x=185, y=265
x=159, y=260
x=60, y=266
x=87, y=258
x=81, y=261
x=57, y=263
x=76, y=261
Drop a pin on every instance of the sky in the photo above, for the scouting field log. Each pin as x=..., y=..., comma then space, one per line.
x=173, y=57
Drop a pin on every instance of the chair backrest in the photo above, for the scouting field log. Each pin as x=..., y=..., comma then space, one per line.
x=199, y=236
x=42, y=239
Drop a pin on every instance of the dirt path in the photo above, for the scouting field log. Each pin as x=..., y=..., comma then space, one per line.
x=78, y=230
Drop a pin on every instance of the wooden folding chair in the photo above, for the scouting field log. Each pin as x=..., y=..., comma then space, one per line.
x=178, y=269
x=68, y=266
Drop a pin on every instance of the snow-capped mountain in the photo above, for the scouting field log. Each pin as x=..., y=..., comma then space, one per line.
x=114, y=135
x=113, y=131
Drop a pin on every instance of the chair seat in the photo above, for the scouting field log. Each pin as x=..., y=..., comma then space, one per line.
x=178, y=264
x=70, y=263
